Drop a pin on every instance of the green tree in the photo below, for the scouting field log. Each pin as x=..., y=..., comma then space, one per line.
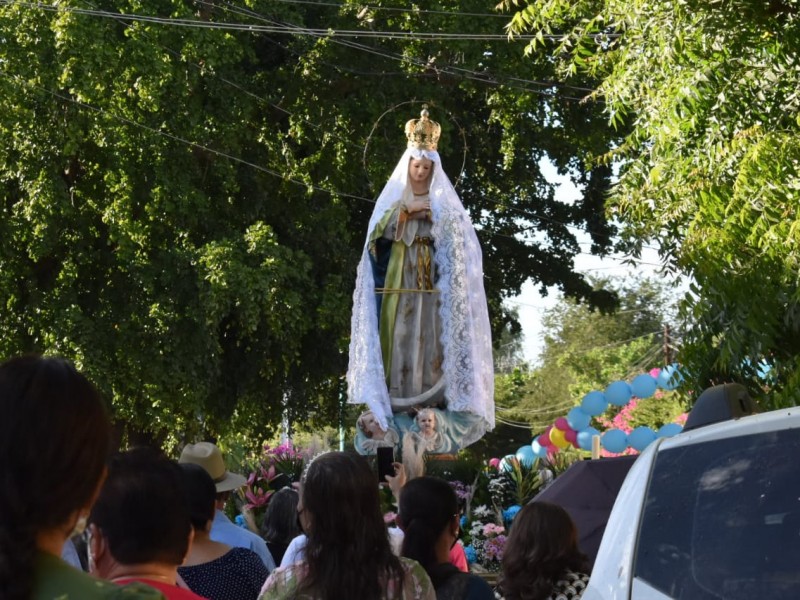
x=183, y=207
x=709, y=166
x=585, y=350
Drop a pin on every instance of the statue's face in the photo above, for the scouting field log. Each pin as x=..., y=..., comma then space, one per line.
x=419, y=169
x=427, y=424
x=372, y=426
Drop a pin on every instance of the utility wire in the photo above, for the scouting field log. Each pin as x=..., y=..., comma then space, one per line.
x=396, y=9
x=484, y=77
x=18, y=81
x=248, y=27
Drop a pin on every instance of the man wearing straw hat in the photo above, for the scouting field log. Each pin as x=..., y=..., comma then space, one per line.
x=208, y=456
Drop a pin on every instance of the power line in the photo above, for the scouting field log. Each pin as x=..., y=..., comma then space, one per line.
x=118, y=16
x=177, y=138
x=294, y=30
x=220, y=153
x=395, y=9
x=484, y=77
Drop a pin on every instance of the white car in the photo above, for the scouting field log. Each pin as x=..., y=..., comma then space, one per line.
x=710, y=514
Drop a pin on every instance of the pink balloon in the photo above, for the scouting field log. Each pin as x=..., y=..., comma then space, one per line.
x=571, y=436
x=561, y=423
x=494, y=463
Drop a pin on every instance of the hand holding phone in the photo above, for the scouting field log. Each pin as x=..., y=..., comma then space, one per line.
x=385, y=463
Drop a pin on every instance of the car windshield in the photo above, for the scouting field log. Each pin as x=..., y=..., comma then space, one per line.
x=722, y=519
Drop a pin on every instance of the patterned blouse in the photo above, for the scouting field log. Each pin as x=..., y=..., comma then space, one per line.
x=282, y=583
x=236, y=575
x=570, y=586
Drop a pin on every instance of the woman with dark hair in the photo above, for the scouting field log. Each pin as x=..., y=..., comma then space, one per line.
x=212, y=569
x=541, y=558
x=347, y=553
x=54, y=440
x=429, y=519
x=280, y=525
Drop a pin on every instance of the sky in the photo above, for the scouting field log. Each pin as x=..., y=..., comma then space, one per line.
x=531, y=305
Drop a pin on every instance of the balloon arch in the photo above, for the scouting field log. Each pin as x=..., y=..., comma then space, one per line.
x=574, y=429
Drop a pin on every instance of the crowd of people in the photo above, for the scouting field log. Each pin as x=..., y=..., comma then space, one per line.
x=156, y=528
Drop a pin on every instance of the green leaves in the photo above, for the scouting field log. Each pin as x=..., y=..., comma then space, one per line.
x=709, y=166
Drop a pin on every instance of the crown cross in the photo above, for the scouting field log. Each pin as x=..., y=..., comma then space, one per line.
x=423, y=133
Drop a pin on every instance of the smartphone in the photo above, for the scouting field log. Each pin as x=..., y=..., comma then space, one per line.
x=385, y=463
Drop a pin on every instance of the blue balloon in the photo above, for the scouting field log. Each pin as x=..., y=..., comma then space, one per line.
x=539, y=451
x=618, y=393
x=578, y=419
x=594, y=403
x=585, y=437
x=641, y=437
x=670, y=377
x=669, y=430
x=507, y=463
x=643, y=386
x=525, y=456
x=614, y=440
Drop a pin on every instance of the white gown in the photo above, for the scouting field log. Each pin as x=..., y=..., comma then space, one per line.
x=455, y=315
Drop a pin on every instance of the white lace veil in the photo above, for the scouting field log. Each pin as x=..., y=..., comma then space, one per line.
x=465, y=336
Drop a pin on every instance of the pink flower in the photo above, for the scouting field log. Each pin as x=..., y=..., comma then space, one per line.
x=492, y=529
x=258, y=499
x=494, y=547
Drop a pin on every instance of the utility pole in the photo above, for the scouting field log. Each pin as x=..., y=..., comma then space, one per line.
x=667, y=346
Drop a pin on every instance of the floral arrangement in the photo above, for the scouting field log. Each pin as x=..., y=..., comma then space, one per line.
x=280, y=466
x=485, y=539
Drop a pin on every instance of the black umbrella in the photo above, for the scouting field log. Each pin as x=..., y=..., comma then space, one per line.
x=587, y=491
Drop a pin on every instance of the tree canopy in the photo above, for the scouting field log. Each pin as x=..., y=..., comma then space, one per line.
x=708, y=168
x=586, y=350
x=186, y=187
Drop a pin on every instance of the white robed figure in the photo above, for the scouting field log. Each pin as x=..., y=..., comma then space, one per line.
x=420, y=327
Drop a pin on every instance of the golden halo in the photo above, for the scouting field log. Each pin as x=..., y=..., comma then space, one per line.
x=431, y=105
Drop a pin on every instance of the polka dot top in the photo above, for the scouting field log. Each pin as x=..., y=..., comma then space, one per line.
x=236, y=575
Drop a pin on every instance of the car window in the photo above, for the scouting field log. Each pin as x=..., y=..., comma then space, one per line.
x=722, y=519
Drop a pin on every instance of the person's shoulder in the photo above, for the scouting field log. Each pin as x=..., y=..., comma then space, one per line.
x=243, y=556
x=570, y=585
x=55, y=579
x=417, y=584
x=478, y=588
x=282, y=582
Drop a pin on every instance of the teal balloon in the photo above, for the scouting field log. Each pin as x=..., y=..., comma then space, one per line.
x=670, y=377
x=614, y=440
x=578, y=419
x=539, y=451
x=669, y=430
x=641, y=437
x=594, y=403
x=585, y=437
x=525, y=456
x=507, y=463
x=644, y=386
x=618, y=393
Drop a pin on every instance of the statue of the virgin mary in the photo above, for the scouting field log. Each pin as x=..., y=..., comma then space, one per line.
x=420, y=331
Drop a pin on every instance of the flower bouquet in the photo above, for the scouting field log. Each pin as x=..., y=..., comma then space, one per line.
x=280, y=466
x=485, y=539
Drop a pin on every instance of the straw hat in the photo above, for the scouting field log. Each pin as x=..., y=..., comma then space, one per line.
x=208, y=456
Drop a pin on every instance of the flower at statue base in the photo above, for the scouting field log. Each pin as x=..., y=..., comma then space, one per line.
x=486, y=540
x=510, y=513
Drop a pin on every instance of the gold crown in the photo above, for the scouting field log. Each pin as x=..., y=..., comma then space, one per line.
x=423, y=133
